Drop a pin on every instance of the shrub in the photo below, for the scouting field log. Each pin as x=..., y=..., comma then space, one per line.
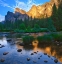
x=57, y=36
x=28, y=40
x=44, y=39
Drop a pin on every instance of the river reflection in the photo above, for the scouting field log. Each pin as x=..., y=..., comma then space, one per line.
x=14, y=57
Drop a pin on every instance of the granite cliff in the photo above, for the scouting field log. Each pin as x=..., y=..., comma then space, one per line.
x=40, y=11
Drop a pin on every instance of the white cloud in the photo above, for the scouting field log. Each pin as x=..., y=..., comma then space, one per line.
x=22, y=5
x=25, y=6
x=2, y=18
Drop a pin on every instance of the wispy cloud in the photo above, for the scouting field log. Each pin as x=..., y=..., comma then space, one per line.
x=2, y=18
x=2, y=3
x=22, y=5
x=25, y=6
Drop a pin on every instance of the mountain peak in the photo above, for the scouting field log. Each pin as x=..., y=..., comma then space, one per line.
x=20, y=11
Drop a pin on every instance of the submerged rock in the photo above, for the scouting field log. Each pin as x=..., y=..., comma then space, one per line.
x=9, y=39
x=32, y=53
x=28, y=59
x=45, y=61
x=35, y=52
x=45, y=53
x=1, y=46
x=38, y=58
x=34, y=61
x=5, y=53
x=2, y=60
x=55, y=60
x=48, y=56
x=21, y=44
x=41, y=56
x=19, y=50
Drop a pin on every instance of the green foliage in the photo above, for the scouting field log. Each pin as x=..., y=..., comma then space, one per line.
x=28, y=40
x=22, y=26
x=44, y=39
x=57, y=36
x=50, y=25
x=36, y=26
x=57, y=17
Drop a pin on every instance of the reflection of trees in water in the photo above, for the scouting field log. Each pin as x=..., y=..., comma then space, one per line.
x=28, y=47
x=52, y=49
x=57, y=52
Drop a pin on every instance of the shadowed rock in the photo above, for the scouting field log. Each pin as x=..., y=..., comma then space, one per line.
x=38, y=58
x=21, y=44
x=45, y=61
x=41, y=56
x=1, y=46
x=34, y=61
x=9, y=40
x=2, y=60
x=48, y=56
x=32, y=53
x=55, y=60
x=5, y=53
x=45, y=53
x=35, y=52
x=19, y=50
x=28, y=59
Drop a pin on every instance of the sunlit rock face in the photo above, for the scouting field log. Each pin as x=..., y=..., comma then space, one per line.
x=57, y=2
x=44, y=10
x=40, y=11
x=20, y=11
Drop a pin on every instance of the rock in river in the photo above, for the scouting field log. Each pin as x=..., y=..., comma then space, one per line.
x=5, y=53
x=28, y=59
x=45, y=61
x=21, y=44
x=19, y=50
x=32, y=53
x=1, y=46
x=55, y=60
x=45, y=53
x=2, y=60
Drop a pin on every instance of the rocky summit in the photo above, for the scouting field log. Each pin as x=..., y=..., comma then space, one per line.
x=40, y=11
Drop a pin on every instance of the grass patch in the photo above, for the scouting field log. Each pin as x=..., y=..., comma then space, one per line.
x=28, y=40
x=44, y=39
x=57, y=36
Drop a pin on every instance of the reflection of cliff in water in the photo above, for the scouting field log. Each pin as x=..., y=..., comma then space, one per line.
x=50, y=49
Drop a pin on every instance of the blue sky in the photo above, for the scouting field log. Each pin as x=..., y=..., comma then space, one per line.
x=10, y=5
